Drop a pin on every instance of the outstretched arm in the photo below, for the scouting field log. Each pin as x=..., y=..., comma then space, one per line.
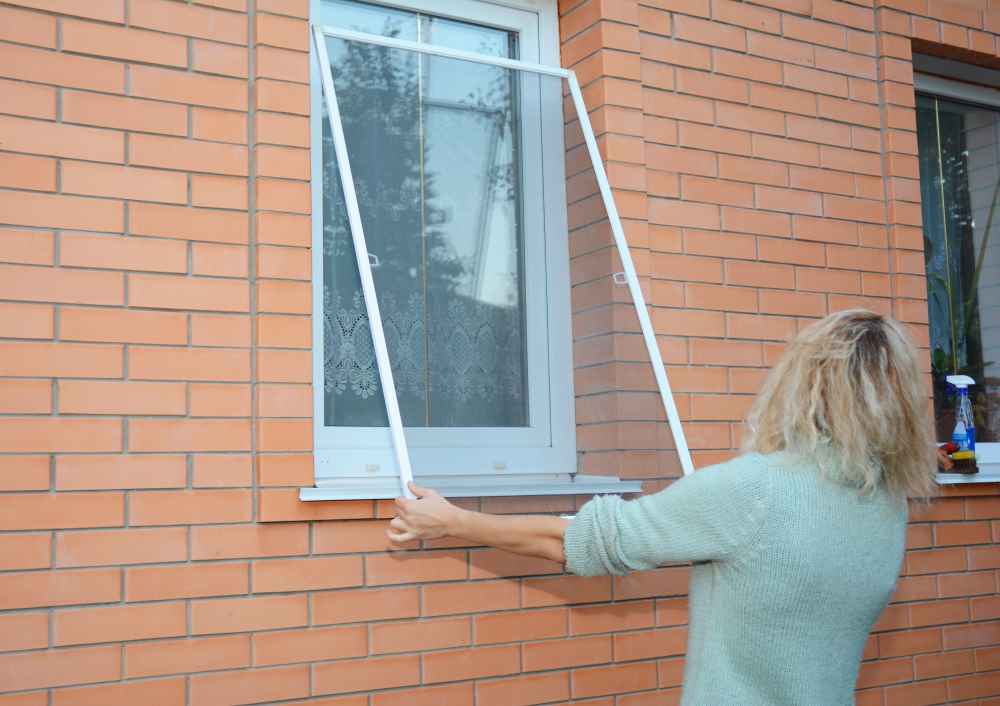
x=430, y=516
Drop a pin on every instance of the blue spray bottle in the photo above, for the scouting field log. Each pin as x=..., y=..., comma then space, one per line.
x=964, y=435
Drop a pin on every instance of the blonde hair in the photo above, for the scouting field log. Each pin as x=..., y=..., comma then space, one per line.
x=849, y=388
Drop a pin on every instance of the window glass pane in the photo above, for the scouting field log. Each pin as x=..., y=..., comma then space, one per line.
x=435, y=148
x=373, y=19
x=959, y=149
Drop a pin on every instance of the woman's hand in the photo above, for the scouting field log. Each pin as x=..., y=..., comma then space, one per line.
x=428, y=517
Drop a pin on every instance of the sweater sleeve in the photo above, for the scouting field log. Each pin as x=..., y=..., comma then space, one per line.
x=713, y=514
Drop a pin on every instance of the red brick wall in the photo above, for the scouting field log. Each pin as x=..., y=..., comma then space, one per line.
x=155, y=365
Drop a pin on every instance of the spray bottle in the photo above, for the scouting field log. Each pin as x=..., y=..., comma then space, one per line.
x=963, y=438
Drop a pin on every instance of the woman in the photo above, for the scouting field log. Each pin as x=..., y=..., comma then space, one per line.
x=796, y=544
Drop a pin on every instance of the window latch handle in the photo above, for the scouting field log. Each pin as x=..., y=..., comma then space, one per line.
x=373, y=260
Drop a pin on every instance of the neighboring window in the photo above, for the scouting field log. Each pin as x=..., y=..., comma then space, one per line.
x=958, y=133
x=459, y=171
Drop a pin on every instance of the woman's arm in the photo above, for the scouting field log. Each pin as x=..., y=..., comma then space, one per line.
x=430, y=516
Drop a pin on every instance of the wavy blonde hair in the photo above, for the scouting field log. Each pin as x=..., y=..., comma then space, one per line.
x=850, y=384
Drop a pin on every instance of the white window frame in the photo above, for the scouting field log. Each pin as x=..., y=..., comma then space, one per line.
x=987, y=453
x=363, y=471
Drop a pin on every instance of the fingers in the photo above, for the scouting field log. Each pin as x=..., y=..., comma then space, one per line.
x=399, y=524
x=397, y=537
x=419, y=491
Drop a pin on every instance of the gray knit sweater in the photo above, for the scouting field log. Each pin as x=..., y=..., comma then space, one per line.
x=791, y=569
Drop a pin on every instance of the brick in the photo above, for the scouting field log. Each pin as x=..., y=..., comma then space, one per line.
x=227, y=400
x=156, y=291
x=58, y=588
x=119, y=252
x=474, y=663
x=238, y=541
x=284, y=401
x=222, y=471
x=290, y=435
x=121, y=325
x=123, y=182
x=649, y=643
x=283, y=162
x=28, y=99
x=242, y=614
x=34, y=670
x=218, y=191
x=285, y=32
x=559, y=654
x=24, y=631
x=964, y=533
x=186, y=655
x=43, y=66
x=950, y=585
x=56, y=211
x=88, y=625
x=188, y=223
x=520, y=626
x=309, y=645
x=246, y=687
x=100, y=472
x=670, y=51
x=209, y=364
x=49, y=434
x=185, y=581
x=599, y=681
x=449, y=599
x=43, y=137
x=165, y=692
x=25, y=396
x=122, y=43
x=188, y=506
x=757, y=222
x=564, y=590
x=131, y=546
x=282, y=64
x=281, y=96
x=415, y=567
x=220, y=330
x=366, y=674
x=940, y=613
x=27, y=27
x=282, y=129
x=284, y=229
x=792, y=303
x=364, y=605
x=825, y=230
x=283, y=195
x=25, y=551
x=59, y=285
x=523, y=690
x=283, y=505
x=290, y=469
x=284, y=297
x=188, y=155
x=183, y=87
x=188, y=20
x=219, y=125
x=294, y=8
x=135, y=114
x=216, y=58
x=19, y=171
x=414, y=636
x=281, y=575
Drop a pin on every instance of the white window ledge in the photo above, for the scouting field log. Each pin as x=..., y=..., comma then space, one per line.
x=988, y=473
x=466, y=487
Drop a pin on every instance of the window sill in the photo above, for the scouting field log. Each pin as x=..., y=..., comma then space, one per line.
x=387, y=488
x=988, y=473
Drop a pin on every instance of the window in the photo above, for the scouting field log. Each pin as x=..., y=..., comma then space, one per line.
x=958, y=134
x=460, y=174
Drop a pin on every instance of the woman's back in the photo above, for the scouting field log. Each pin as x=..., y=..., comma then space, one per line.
x=791, y=571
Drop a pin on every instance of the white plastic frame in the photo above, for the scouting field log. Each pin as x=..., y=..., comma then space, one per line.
x=400, y=447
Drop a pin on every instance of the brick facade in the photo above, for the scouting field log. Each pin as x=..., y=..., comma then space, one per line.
x=155, y=364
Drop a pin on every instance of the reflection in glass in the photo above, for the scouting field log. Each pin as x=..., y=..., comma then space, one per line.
x=434, y=147
x=959, y=149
